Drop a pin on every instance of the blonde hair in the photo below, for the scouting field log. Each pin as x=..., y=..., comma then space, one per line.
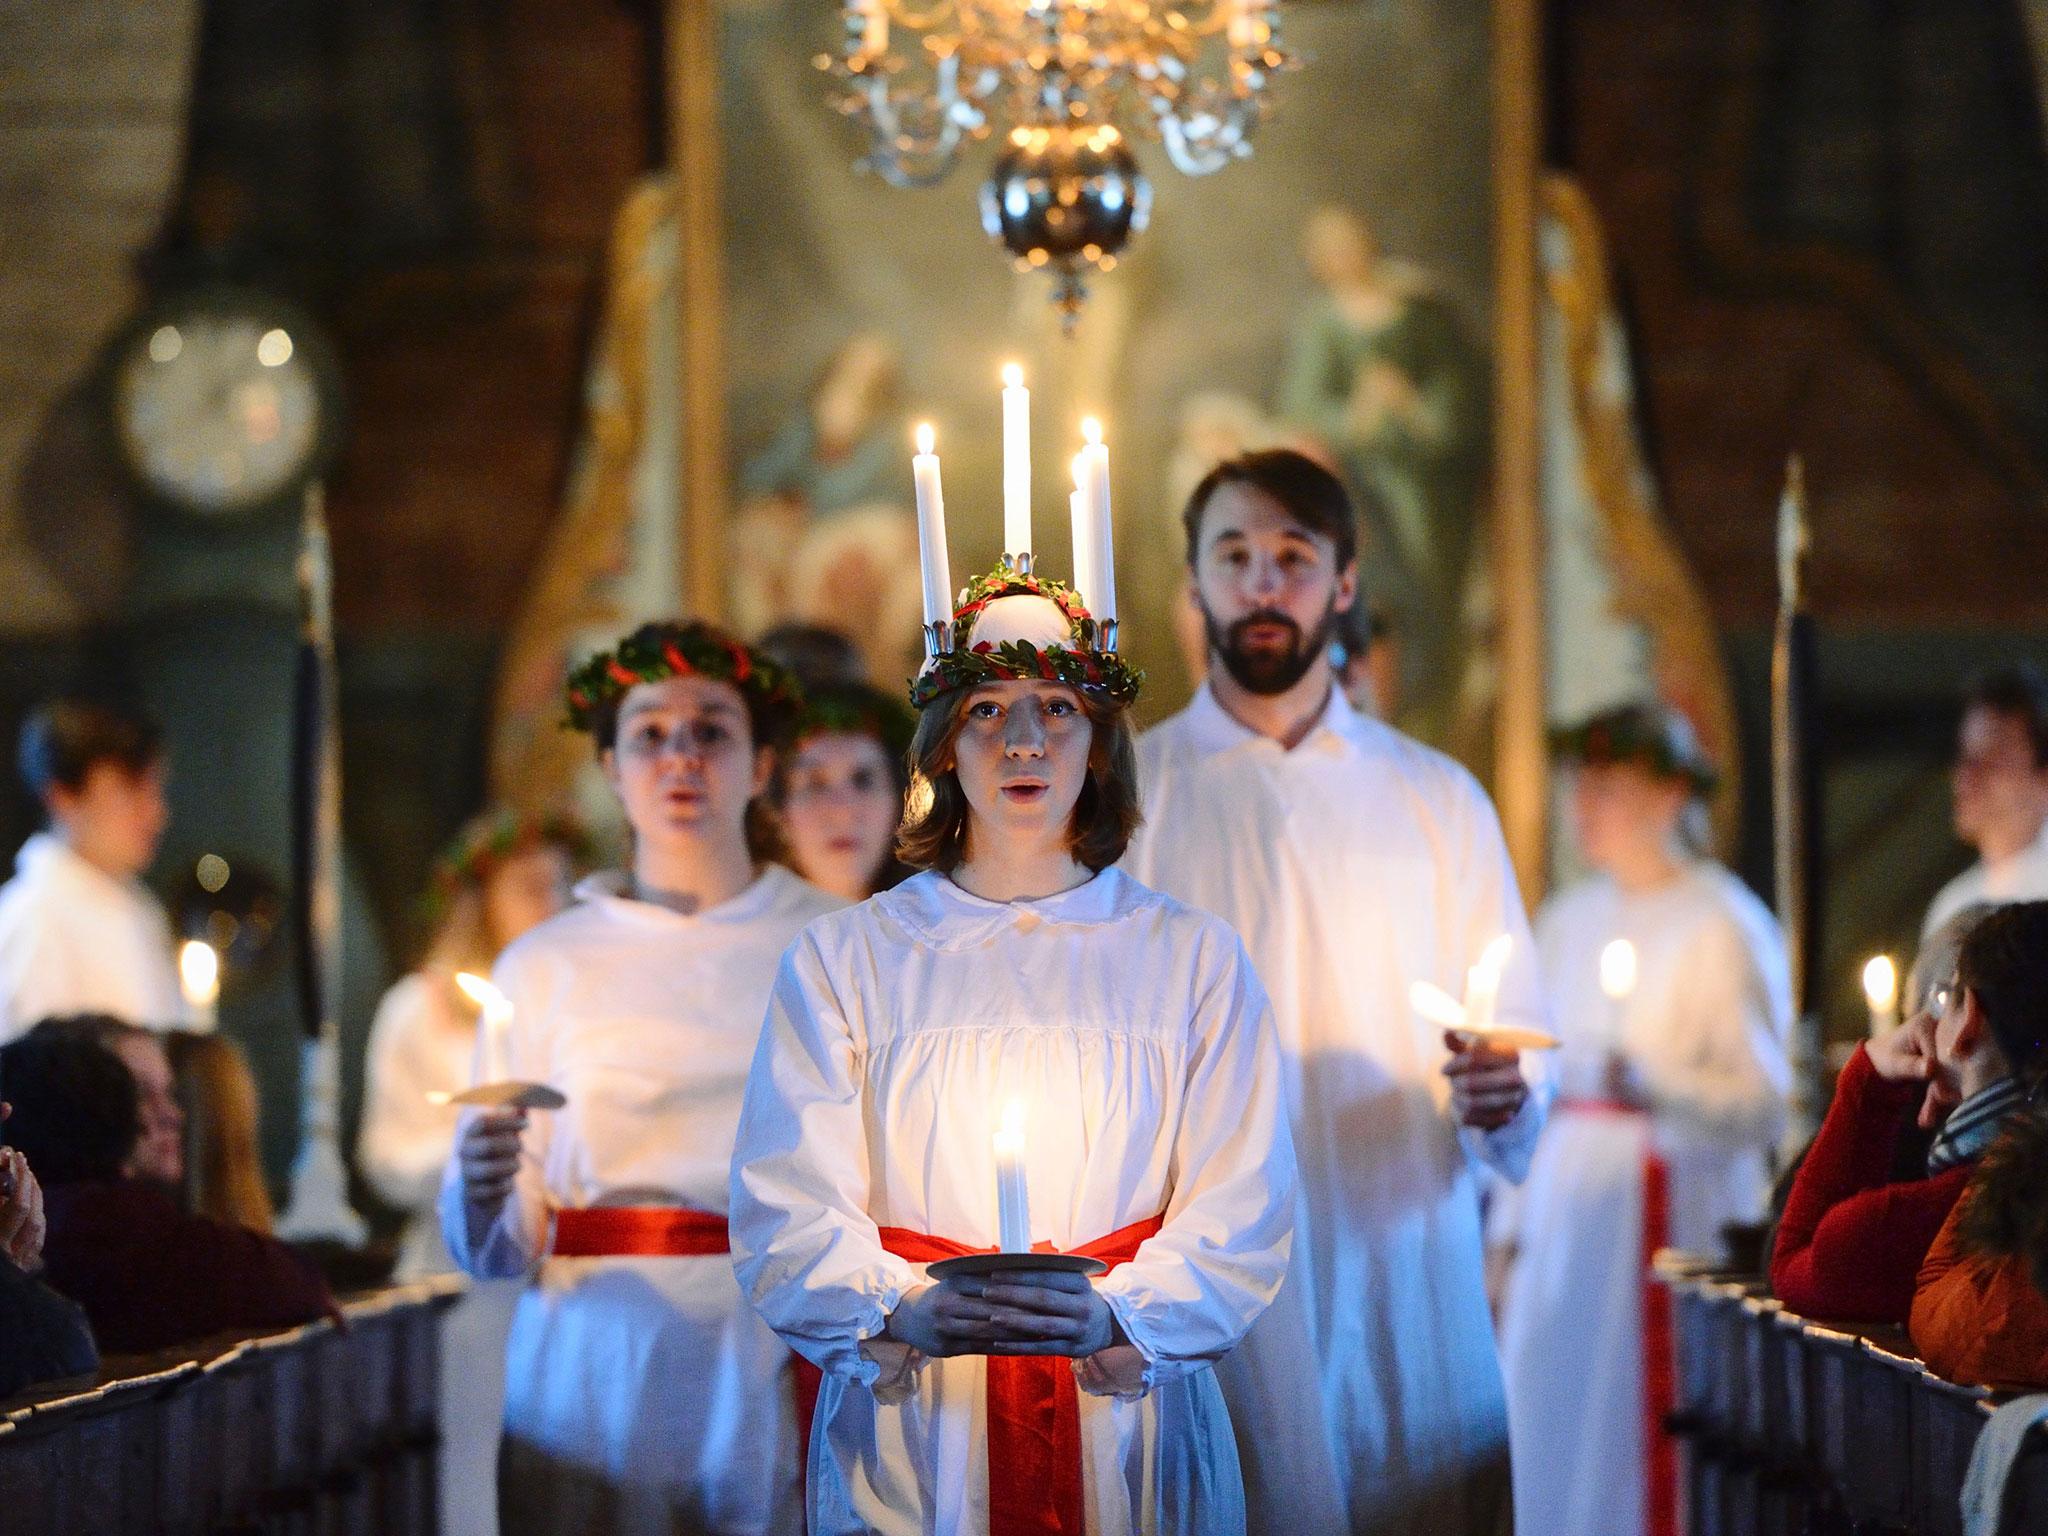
x=223, y=1171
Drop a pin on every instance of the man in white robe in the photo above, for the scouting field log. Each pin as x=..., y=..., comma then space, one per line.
x=2001, y=794
x=1354, y=862
x=79, y=931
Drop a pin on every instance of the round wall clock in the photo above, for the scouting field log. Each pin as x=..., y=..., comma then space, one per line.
x=225, y=402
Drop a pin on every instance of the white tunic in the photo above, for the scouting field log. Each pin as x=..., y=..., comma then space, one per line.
x=1704, y=1036
x=1368, y=1398
x=75, y=939
x=2023, y=877
x=1139, y=1039
x=421, y=1042
x=642, y=1394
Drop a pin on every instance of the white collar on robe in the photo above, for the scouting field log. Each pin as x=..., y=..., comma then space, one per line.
x=942, y=915
x=606, y=890
x=46, y=856
x=1212, y=728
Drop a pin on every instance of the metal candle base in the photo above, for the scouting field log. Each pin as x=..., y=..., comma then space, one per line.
x=938, y=638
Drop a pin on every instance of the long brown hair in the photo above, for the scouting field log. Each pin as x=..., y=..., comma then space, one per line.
x=934, y=830
x=223, y=1171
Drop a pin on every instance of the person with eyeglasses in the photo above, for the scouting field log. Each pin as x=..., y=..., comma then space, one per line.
x=1857, y=1225
x=1980, y=1311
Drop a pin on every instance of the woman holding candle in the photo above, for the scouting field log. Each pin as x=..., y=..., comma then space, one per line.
x=641, y=1393
x=1671, y=985
x=1020, y=1045
x=502, y=874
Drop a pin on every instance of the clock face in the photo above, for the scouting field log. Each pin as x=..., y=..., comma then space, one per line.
x=220, y=409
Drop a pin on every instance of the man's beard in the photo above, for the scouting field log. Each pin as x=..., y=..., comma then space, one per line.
x=1262, y=671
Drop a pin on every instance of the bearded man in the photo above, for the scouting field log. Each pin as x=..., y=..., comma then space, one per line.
x=1355, y=862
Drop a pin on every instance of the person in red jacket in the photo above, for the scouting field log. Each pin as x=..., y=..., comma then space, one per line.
x=148, y=1274
x=1853, y=1233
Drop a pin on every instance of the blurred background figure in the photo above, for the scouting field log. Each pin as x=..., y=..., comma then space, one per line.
x=817, y=654
x=1367, y=660
x=107, y=1144
x=2001, y=793
x=502, y=874
x=1674, y=998
x=79, y=932
x=216, y=1093
x=837, y=796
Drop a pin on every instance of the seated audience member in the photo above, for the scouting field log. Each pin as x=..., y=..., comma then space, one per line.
x=108, y=1145
x=1853, y=1234
x=43, y=1337
x=502, y=874
x=216, y=1094
x=79, y=932
x=1980, y=1313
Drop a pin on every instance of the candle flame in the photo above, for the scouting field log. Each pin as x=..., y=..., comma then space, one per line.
x=1013, y=1120
x=1013, y=376
x=199, y=972
x=1493, y=959
x=1437, y=1005
x=926, y=437
x=1881, y=982
x=1618, y=969
x=481, y=992
x=1091, y=429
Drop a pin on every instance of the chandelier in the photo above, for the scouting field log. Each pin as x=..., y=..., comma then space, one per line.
x=1059, y=77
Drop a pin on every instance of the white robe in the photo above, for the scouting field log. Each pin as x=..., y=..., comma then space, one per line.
x=1704, y=1035
x=75, y=939
x=642, y=1394
x=420, y=1043
x=1139, y=1039
x=2023, y=877
x=1368, y=1398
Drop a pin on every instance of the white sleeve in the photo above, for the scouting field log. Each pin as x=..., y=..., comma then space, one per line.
x=807, y=1253
x=1492, y=905
x=1728, y=1074
x=405, y=1140
x=516, y=1240
x=1216, y=1263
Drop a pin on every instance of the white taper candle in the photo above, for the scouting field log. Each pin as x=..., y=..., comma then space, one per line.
x=931, y=529
x=1093, y=477
x=1013, y=1198
x=1016, y=463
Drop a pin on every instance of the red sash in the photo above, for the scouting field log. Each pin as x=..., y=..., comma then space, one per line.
x=667, y=1231
x=1034, y=1407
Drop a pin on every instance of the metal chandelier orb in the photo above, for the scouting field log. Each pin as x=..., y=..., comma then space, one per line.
x=1065, y=199
x=1067, y=83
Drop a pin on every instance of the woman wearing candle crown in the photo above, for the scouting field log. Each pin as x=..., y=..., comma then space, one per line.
x=1671, y=982
x=1019, y=978
x=642, y=1394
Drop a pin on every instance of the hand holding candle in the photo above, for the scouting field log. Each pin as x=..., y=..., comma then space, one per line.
x=493, y=1084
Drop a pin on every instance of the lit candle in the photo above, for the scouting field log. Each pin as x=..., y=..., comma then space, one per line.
x=1617, y=983
x=1091, y=474
x=1244, y=26
x=1482, y=984
x=494, y=1037
x=1084, y=546
x=931, y=530
x=1016, y=465
x=199, y=980
x=1881, y=992
x=1013, y=1200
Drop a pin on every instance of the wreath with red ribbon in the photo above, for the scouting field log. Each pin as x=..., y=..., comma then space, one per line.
x=1079, y=664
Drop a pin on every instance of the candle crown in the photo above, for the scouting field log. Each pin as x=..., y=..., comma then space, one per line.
x=1009, y=627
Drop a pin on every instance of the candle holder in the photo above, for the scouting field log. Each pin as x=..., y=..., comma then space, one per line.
x=1011, y=1263
x=1022, y=565
x=938, y=638
x=505, y=1095
x=1105, y=634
